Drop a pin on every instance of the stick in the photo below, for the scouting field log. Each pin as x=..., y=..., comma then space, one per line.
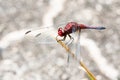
x=92, y=77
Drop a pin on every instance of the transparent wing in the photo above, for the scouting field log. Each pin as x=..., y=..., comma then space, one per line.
x=45, y=35
x=75, y=45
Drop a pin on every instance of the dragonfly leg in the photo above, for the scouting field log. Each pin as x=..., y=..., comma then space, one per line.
x=70, y=41
x=61, y=39
x=70, y=37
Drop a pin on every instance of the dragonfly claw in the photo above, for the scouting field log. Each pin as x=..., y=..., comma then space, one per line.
x=69, y=42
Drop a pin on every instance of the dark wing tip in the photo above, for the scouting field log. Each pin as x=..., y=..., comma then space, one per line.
x=27, y=32
x=38, y=35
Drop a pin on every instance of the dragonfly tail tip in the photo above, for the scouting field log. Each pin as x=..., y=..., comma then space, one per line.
x=101, y=28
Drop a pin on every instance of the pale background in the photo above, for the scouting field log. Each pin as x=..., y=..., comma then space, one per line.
x=22, y=60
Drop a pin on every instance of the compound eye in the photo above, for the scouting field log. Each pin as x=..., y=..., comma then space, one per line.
x=60, y=32
x=60, y=29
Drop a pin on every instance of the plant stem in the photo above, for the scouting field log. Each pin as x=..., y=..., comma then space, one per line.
x=91, y=76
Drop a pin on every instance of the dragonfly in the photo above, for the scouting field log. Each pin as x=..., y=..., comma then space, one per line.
x=66, y=31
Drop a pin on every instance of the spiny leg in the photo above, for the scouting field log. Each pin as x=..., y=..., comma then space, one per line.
x=70, y=41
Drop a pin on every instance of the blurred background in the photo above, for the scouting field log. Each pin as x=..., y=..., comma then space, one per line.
x=21, y=59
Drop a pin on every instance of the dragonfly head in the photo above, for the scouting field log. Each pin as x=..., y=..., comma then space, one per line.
x=60, y=32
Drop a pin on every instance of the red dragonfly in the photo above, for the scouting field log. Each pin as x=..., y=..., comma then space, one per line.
x=71, y=27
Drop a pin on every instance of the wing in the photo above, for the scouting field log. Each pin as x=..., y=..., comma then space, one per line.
x=77, y=45
x=44, y=35
x=74, y=45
